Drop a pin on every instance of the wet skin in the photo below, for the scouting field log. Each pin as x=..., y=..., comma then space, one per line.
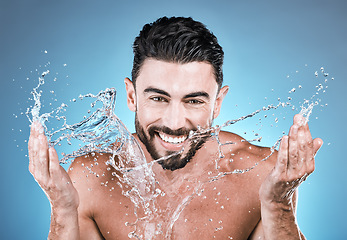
x=246, y=206
x=231, y=202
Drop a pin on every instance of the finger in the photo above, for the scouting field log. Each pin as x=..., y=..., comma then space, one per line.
x=30, y=148
x=31, y=138
x=282, y=158
x=40, y=155
x=317, y=144
x=299, y=120
x=34, y=149
x=54, y=167
x=293, y=149
x=309, y=151
x=43, y=161
x=308, y=132
x=302, y=149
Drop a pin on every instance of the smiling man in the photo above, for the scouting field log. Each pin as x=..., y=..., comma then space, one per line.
x=176, y=88
x=172, y=100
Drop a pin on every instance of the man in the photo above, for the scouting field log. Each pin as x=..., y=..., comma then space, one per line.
x=176, y=87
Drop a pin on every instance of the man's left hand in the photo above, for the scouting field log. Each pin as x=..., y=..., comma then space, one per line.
x=295, y=162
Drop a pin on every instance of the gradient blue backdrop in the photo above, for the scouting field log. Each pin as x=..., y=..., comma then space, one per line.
x=264, y=41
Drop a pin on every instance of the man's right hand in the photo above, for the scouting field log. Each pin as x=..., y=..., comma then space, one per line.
x=54, y=180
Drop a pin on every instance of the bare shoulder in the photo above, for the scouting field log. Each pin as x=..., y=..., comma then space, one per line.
x=93, y=178
x=88, y=166
x=241, y=154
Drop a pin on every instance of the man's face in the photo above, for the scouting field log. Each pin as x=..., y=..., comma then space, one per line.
x=172, y=99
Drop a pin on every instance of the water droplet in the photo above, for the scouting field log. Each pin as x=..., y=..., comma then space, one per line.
x=292, y=90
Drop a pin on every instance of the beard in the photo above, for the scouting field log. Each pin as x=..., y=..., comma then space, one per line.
x=178, y=159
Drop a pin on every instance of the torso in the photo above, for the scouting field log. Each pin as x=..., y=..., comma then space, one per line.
x=227, y=208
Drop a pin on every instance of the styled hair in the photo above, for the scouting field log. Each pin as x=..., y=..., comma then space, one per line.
x=178, y=40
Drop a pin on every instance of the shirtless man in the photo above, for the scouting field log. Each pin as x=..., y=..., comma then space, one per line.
x=176, y=86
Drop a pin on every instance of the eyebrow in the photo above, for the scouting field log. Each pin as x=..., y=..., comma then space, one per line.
x=156, y=90
x=197, y=94
x=190, y=95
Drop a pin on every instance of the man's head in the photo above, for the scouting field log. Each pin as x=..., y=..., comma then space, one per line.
x=176, y=86
x=178, y=40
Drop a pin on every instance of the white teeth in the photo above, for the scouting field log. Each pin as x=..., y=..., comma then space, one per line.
x=174, y=140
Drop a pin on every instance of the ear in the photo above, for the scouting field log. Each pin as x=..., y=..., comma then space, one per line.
x=218, y=104
x=131, y=95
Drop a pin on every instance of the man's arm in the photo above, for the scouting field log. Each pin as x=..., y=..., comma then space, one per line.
x=294, y=164
x=55, y=182
x=258, y=232
x=57, y=185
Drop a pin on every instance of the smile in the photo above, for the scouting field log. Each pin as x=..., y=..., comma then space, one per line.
x=171, y=139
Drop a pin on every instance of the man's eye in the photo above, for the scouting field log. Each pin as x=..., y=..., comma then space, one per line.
x=159, y=99
x=194, y=101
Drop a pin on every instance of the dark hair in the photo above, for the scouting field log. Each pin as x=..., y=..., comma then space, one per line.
x=180, y=40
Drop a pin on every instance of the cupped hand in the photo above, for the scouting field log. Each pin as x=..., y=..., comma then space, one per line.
x=45, y=168
x=295, y=162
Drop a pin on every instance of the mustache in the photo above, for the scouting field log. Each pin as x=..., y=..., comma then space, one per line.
x=178, y=132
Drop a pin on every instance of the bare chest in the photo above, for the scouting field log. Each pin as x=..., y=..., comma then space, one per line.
x=217, y=210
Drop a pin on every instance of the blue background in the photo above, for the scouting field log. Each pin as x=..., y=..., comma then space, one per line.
x=265, y=43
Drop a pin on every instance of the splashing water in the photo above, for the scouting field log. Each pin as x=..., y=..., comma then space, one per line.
x=102, y=132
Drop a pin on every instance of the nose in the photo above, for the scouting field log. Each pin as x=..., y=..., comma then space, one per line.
x=174, y=116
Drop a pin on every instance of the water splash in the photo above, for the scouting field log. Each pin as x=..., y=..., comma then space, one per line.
x=103, y=132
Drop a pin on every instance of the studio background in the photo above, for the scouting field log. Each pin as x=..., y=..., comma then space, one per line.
x=88, y=44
